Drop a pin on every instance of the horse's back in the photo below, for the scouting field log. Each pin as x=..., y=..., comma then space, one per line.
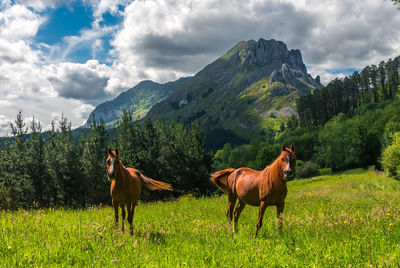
x=247, y=187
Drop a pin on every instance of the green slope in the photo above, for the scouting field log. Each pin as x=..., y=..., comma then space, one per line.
x=138, y=100
x=240, y=89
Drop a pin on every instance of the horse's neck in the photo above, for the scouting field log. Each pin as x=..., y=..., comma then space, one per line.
x=275, y=168
x=120, y=173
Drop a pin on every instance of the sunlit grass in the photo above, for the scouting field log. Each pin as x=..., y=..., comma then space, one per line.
x=344, y=219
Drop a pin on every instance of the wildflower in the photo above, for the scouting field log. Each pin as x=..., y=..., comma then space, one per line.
x=390, y=224
x=345, y=222
x=114, y=261
x=387, y=214
x=9, y=247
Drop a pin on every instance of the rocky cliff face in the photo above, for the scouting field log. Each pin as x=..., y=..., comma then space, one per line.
x=269, y=52
x=239, y=88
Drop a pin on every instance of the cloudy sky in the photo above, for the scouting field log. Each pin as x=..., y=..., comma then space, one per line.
x=67, y=56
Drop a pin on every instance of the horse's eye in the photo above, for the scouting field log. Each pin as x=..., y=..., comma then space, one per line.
x=108, y=161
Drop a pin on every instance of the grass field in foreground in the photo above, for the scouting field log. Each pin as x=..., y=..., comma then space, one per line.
x=343, y=219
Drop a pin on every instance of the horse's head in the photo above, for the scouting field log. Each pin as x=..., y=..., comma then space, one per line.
x=288, y=158
x=112, y=163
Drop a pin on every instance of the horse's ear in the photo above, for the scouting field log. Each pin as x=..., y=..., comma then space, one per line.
x=283, y=147
x=292, y=147
x=109, y=150
x=116, y=151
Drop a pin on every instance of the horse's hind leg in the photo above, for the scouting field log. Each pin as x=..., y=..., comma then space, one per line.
x=123, y=216
x=231, y=205
x=263, y=206
x=131, y=212
x=279, y=212
x=239, y=208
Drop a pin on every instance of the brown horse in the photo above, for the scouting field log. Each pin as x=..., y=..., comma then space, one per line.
x=257, y=188
x=126, y=187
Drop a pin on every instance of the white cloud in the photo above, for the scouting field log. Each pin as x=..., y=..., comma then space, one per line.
x=166, y=39
x=18, y=23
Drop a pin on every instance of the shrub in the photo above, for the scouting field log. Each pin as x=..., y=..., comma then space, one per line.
x=307, y=170
x=391, y=157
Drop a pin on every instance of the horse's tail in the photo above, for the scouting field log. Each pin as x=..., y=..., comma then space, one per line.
x=220, y=178
x=153, y=184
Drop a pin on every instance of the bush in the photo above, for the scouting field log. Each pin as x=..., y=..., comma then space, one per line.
x=391, y=157
x=307, y=170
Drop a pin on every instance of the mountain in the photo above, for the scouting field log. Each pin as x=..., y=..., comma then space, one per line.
x=138, y=100
x=239, y=92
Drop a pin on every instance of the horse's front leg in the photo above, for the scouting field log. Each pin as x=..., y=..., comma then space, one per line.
x=279, y=213
x=115, y=205
x=123, y=216
x=131, y=212
x=263, y=206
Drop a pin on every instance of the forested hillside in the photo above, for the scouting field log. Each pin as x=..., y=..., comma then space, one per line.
x=137, y=100
x=347, y=124
x=55, y=171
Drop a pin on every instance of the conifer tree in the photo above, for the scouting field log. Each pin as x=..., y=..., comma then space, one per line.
x=93, y=162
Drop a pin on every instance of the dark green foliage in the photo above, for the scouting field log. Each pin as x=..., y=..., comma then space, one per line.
x=15, y=183
x=166, y=152
x=63, y=164
x=94, y=155
x=256, y=155
x=305, y=141
x=391, y=127
x=391, y=157
x=374, y=84
x=217, y=137
x=307, y=170
x=55, y=171
x=36, y=165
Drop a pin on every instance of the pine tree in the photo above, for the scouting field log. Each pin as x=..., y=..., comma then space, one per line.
x=15, y=180
x=36, y=164
x=93, y=163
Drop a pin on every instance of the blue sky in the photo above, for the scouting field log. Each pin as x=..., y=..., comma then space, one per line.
x=70, y=21
x=67, y=56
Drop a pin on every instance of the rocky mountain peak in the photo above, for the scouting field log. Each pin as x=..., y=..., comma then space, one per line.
x=269, y=52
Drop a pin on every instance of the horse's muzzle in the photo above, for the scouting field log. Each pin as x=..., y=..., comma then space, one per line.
x=289, y=174
x=111, y=176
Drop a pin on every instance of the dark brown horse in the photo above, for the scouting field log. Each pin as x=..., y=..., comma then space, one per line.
x=257, y=188
x=126, y=187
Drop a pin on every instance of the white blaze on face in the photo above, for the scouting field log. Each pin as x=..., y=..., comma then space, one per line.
x=287, y=168
x=112, y=165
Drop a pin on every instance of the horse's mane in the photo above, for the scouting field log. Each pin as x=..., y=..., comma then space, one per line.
x=274, y=174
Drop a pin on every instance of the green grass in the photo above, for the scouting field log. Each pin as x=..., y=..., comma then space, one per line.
x=338, y=220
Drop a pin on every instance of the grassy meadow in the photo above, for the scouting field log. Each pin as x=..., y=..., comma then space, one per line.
x=344, y=219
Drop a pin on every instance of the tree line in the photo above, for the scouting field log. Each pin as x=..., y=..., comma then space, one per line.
x=43, y=169
x=373, y=85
